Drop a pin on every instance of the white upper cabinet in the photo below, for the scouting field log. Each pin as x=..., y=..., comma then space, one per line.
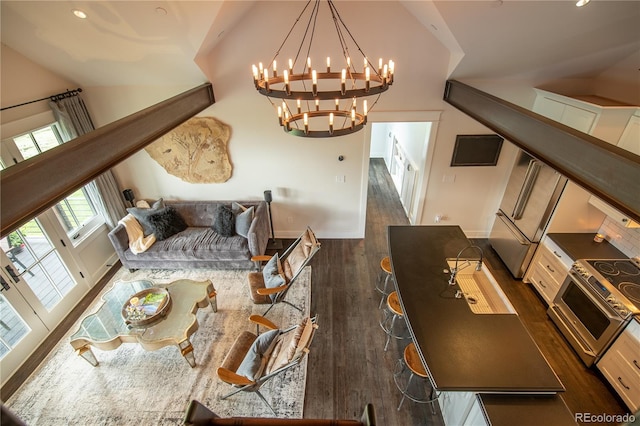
x=600, y=117
x=605, y=119
x=630, y=139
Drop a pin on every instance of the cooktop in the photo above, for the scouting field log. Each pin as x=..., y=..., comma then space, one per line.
x=623, y=274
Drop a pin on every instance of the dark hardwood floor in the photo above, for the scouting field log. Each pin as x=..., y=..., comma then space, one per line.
x=347, y=365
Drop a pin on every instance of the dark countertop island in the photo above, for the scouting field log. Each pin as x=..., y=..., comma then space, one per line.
x=462, y=351
x=582, y=246
x=525, y=410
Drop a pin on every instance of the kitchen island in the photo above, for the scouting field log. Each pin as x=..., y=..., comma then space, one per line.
x=465, y=354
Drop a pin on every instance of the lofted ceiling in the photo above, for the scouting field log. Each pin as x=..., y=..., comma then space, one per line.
x=166, y=42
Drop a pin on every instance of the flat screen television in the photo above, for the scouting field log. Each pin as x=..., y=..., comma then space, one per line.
x=476, y=150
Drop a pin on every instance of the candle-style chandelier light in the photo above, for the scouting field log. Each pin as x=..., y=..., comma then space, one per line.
x=320, y=104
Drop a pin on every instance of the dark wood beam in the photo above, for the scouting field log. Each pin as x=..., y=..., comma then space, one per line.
x=34, y=185
x=607, y=171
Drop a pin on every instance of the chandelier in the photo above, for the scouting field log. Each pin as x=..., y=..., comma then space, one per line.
x=321, y=102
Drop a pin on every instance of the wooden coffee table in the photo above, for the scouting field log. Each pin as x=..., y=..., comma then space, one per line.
x=106, y=328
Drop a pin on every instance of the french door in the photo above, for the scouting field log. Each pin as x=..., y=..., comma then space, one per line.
x=42, y=286
x=21, y=330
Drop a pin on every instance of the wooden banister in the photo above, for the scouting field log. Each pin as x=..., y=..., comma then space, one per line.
x=199, y=415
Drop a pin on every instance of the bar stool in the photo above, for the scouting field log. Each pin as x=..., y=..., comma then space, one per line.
x=412, y=379
x=382, y=286
x=392, y=321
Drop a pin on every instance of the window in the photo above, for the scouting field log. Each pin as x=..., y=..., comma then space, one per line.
x=37, y=141
x=77, y=213
x=76, y=210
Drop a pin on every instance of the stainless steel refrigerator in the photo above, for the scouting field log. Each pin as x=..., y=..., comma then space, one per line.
x=531, y=195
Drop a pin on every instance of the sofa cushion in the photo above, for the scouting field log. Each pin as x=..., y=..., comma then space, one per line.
x=166, y=222
x=224, y=222
x=142, y=215
x=196, y=244
x=256, y=357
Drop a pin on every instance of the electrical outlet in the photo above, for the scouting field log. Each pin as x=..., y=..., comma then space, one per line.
x=438, y=218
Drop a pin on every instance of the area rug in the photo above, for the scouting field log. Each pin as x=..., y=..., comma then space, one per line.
x=131, y=386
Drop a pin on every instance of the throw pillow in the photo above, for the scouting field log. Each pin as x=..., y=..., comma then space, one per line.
x=142, y=215
x=256, y=358
x=300, y=338
x=243, y=221
x=273, y=274
x=166, y=222
x=224, y=222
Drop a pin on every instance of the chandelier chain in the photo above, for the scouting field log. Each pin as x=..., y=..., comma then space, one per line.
x=290, y=31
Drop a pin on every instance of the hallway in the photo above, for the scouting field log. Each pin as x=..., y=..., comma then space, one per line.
x=347, y=364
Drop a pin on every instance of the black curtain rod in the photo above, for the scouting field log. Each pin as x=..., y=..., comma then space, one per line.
x=59, y=96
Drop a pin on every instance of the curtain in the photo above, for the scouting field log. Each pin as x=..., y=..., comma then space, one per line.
x=74, y=120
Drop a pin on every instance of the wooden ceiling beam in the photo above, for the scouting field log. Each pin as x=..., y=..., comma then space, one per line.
x=36, y=184
x=605, y=170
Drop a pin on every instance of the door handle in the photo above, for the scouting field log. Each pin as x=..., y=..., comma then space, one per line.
x=514, y=232
x=622, y=383
x=12, y=272
x=527, y=187
x=4, y=284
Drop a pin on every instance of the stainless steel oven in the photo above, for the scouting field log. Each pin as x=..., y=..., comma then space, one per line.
x=590, y=310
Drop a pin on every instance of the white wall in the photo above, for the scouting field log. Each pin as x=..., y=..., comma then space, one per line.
x=303, y=173
x=380, y=143
x=23, y=81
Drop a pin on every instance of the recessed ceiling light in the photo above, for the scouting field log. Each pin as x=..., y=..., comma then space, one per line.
x=161, y=11
x=581, y=3
x=80, y=14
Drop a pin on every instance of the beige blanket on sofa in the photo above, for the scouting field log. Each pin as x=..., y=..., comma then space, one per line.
x=138, y=243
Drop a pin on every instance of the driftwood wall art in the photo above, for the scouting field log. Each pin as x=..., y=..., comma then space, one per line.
x=196, y=151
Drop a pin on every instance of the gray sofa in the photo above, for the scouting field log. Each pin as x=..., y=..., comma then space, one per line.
x=199, y=246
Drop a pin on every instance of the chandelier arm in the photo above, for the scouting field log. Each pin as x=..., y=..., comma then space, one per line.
x=290, y=31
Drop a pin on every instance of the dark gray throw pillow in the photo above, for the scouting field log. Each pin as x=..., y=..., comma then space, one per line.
x=142, y=215
x=224, y=222
x=166, y=222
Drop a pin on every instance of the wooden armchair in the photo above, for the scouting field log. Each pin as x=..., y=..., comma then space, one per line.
x=271, y=283
x=256, y=358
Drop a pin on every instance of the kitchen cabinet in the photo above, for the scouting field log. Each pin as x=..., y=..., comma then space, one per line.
x=613, y=214
x=621, y=365
x=548, y=269
x=455, y=406
x=630, y=139
x=476, y=415
x=603, y=118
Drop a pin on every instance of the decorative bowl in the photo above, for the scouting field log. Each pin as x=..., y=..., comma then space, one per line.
x=146, y=306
